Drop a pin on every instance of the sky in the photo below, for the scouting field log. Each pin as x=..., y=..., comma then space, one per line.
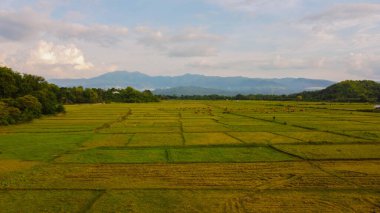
x=320, y=39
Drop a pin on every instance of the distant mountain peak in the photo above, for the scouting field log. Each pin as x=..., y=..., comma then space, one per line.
x=188, y=82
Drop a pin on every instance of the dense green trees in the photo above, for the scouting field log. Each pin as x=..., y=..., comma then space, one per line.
x=73, y=95
x=24, y=97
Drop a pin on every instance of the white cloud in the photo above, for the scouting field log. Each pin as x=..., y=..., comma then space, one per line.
x=196, y=35
x=363, y=65
x=274, y=38
x=344, y=12
x=355, y=17
x=192, y=51
x=256, y=6
x=48, y=53
x=17, y=27
x=27, y=24
x=192, y=42
x=253, y=62
x=102, y=34
x=2, y=59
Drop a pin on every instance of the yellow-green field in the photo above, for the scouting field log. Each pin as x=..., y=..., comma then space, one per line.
x=194, y=156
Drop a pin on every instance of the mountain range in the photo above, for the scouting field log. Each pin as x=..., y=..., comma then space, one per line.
x=194, y=84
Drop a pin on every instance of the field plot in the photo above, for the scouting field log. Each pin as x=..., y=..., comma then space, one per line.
x=209, y=139
x=227, y=154
x=156, y=139
x=107, y=140
x=345, y=151
x=115, y=156
x=234, y=201
x=321, y=137
x=264, y=137
x=57, y=200
x=194, y=156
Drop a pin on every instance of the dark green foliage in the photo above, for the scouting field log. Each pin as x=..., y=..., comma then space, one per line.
x=24, y=97
x=29, y=106
x=48, y=100
x=346, y=91
x=75, y=95
x=9, y=81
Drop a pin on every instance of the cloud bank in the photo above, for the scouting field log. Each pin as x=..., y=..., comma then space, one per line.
x=334, y=40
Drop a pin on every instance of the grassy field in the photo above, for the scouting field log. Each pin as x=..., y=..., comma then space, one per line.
x=194, y=156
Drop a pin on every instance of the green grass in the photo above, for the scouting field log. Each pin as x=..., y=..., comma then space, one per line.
x=227, y=155
x=176, y=155
x=120, y=129
x=199, y=122
x=321, y=137
x=262, y=138
x=209, y=139
x=210, y=128
x=107, y=140
x=262, y=128
x=115, y=156
x=156, y=139
x=38, y=147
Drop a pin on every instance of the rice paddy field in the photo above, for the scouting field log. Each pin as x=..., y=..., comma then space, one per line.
x=194, y=156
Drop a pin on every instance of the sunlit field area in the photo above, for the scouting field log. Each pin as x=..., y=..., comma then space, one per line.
x=194, y=156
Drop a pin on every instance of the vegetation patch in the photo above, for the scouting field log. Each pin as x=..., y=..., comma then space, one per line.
x=262, y=138
x=156, y=139
x=116, y=156
x=45, y=200
x=360, y=173
x=210, y=128
x=15, y=165
x=209, y=139
x=136, y=129
x=296, y=175
x=227, y=154
x=320, y=137
x=107, y=140
x=345, y=151
x=260, y=128
x=234, y=201
x=38, y=147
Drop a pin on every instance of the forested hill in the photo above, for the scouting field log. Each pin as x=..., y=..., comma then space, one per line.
x=346, y=91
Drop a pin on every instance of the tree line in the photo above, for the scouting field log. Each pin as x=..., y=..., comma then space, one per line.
x=24, y=97
x=79, y=95
x=345, y=91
